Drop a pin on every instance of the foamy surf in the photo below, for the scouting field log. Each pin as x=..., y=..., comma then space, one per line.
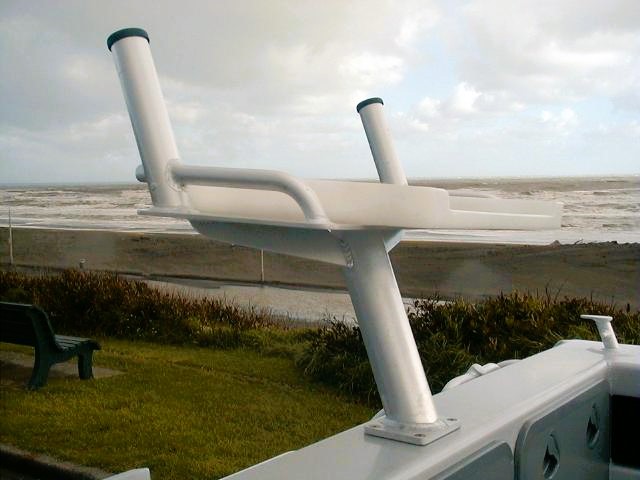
x=595, y=210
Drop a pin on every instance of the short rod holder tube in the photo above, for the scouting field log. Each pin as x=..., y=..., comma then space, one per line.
x=607, y=335
x=386, y=332
x=379, y=137
x=147, y=111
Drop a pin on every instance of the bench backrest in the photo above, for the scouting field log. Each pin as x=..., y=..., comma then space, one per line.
x=24, y=324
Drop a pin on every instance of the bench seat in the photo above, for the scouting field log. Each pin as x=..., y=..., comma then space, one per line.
x=24, y=324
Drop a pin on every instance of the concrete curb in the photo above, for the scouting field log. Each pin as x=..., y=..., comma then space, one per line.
x=45, y=467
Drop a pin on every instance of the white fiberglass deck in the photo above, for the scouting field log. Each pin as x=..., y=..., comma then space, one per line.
x=492, y=409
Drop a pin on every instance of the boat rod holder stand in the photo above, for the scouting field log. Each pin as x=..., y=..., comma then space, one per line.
x=350, y=224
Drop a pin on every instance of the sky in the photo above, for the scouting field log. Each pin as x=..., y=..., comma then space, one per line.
x=487, y=88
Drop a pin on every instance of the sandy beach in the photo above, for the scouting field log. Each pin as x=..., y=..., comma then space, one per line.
x=605, y=271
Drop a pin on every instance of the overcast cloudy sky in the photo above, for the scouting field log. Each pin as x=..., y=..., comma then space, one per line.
x=471, y=88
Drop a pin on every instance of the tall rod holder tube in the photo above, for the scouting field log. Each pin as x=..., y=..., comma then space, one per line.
x=409, y=412
x=147, y=111
x=384, y=153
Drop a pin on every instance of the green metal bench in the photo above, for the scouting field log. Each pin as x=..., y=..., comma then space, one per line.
x=28, y=325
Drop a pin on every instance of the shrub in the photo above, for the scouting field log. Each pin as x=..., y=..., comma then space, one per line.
x=450, y=335
x=102, y=304
x=453, y=335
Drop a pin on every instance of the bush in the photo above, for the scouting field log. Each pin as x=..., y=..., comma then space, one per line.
x=451, y=336
x=97, y=304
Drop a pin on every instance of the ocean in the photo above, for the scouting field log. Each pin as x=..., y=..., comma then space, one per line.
x=595, y=209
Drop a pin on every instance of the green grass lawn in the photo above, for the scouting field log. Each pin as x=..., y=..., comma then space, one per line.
x=184, y=412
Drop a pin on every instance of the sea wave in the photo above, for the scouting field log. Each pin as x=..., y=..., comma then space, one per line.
x=605, y=209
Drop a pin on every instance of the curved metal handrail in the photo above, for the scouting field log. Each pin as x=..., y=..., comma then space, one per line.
x=254, y=179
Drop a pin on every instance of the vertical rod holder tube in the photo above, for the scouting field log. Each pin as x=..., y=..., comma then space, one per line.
x=377, y=131
x=603, y=324
x=148, y=113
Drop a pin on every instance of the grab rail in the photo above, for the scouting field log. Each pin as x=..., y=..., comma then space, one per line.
x=255, y=179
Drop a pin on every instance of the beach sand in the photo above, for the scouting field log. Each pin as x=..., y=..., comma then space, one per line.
x=605, y=271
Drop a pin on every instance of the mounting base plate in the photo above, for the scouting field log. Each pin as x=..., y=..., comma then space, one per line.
x=415, y=434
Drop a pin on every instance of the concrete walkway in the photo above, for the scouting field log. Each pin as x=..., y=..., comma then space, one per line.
x=302, y=304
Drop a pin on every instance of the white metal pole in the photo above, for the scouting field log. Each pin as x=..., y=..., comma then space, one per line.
x=261, y=265
x=387, y=336
x=148, y=113
x=384, y=154
x=10, y=239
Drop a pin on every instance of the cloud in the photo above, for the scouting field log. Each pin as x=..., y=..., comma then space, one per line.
x=369, y=69
x=421, y=17
x=556, y=83
x=45, y=79
x=242, y=80
x=98, y=151
x=274, y=84
x=543, y=51
x=561, y=122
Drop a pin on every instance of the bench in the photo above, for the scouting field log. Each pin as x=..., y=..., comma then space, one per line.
x=28, y=325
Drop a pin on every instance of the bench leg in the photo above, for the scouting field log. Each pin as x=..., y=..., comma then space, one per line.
x=85, y=365
x=40, y=371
